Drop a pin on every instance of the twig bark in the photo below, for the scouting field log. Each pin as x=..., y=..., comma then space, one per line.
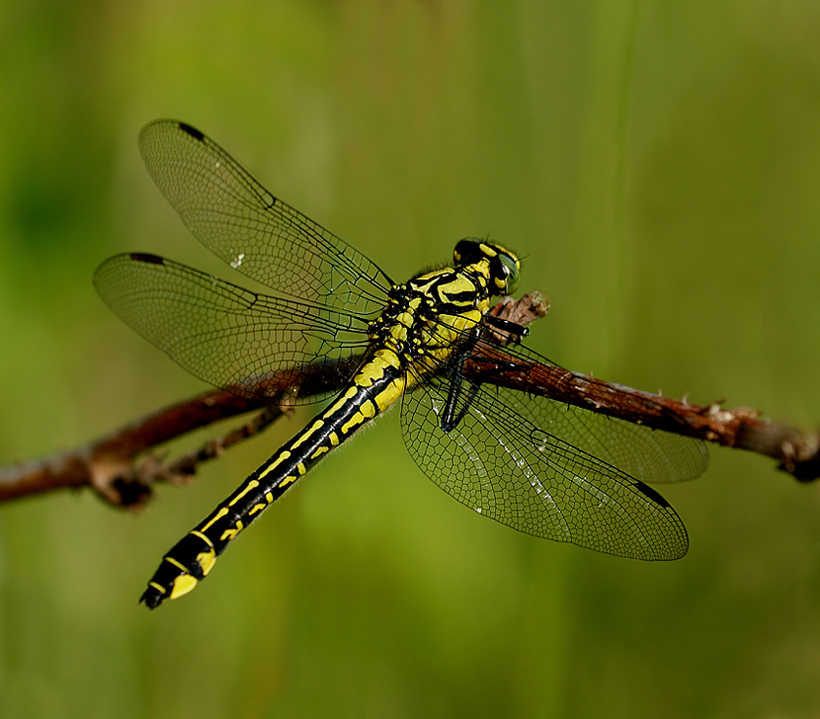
x=797, y=451
x=121, y=468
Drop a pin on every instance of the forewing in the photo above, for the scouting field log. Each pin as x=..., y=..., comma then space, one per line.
x=253, y=231
x=222, y=333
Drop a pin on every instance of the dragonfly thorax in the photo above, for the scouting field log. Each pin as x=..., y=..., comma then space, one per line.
x=430, y=319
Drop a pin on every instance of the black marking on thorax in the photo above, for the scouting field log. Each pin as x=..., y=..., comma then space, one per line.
x=421, y=316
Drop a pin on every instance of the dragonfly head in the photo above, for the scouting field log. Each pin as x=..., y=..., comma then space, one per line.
x=504, y=265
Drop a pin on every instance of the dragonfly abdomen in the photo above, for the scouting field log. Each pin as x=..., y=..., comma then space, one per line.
x=377, y=385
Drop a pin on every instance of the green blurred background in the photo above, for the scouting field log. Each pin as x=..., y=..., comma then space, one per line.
x=658, y=164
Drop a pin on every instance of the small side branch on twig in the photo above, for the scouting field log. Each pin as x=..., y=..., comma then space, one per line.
x=121, y=467
x=117, y=467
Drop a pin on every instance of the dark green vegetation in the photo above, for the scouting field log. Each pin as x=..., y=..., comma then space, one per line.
x=657, y=168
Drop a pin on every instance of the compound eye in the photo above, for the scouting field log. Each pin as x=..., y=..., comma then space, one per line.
x=511, y=273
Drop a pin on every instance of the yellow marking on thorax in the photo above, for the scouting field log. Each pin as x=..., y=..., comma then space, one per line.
x=429, y=277
x=458, y=284
x=439, y=338
x=404, y=320
x=472, y=317
x=461, y=321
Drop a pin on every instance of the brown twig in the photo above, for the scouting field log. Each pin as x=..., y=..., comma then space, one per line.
x=116, y=465
x=109, y=464
x=797, y=451
x=119, y=470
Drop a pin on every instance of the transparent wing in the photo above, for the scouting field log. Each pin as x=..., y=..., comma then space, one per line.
x=502, y=465
x=650, y=455
x=222, y=333
x=254, y=232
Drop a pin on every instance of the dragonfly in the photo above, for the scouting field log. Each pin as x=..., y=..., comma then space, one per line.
x=540, y=466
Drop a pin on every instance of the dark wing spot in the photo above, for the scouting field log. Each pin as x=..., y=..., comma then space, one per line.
x=652, y=494
x=192, y=131
x=145, y=257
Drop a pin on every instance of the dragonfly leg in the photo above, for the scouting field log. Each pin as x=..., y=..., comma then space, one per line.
x=516, y=331
x=453, y=413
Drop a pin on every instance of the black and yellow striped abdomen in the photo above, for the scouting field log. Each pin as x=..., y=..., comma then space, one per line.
x=378, y=384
